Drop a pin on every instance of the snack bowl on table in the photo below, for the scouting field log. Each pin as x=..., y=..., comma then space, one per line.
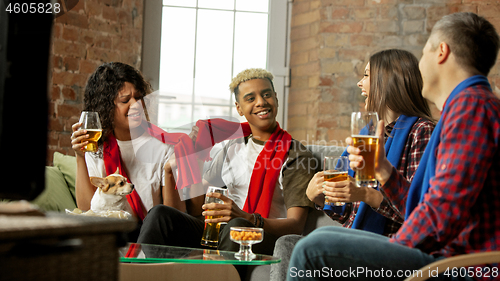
x=246, y=237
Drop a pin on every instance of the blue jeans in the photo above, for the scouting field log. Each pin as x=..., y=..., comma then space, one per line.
x=350, y=254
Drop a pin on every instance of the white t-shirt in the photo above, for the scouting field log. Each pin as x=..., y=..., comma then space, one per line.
x=237, y=171
x=144, y=158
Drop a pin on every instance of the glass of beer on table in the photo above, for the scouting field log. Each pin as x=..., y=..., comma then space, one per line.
x=90, y=121
x=335, y=169
x=210, y=237
x=363, y=133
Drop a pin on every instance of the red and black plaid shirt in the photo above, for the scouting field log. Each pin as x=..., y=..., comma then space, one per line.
x=418, y=138
x=460, y=212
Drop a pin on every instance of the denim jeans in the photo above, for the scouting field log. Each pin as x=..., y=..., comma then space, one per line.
x=350, y=254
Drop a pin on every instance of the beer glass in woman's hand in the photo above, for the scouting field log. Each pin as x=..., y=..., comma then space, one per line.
x=90, y=121
x=335, y=169
x=363, y=132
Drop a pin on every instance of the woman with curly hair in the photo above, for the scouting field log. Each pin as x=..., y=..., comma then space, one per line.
x=116, y=91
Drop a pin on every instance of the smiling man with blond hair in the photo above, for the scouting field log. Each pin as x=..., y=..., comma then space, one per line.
x=278, y=201
x=266, y=173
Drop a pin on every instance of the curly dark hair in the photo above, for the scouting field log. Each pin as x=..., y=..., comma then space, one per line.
x=103, y=87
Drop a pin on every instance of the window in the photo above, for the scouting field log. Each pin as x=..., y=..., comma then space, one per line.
x=203, y=44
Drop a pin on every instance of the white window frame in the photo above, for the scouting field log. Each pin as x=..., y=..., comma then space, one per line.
x=278, y=52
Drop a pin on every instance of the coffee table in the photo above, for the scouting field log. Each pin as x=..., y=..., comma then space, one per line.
x=155, y=262
x=146, y=253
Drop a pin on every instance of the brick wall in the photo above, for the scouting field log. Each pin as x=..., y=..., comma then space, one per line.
x=88, y=35
x=331, y=42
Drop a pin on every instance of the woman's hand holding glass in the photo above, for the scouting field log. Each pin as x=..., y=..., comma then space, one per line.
x=344, y=191
x=77, y=139
x=383, y=168
x=315, y=189
x=87, y=132
x=348, y=191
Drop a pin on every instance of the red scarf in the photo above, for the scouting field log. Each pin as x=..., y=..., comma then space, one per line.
x=269, y=161
x=212, y=131
x=187, y=164
x=133, y=251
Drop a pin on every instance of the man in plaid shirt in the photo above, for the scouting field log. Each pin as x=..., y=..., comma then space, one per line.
x=453, y=202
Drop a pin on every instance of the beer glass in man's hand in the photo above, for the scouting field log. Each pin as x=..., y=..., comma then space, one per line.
x=363, y=132
x=90, y=121
x=210, y=237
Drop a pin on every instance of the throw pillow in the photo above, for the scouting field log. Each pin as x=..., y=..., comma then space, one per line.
x=56, y=196
x=67, y=166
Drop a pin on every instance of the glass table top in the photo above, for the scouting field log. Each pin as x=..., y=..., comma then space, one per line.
x=146, y=253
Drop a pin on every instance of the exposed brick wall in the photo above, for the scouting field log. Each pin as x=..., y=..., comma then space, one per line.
x=331, y=42
x=88, y=35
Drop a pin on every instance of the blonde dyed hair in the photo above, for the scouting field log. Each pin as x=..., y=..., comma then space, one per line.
x=249, y=74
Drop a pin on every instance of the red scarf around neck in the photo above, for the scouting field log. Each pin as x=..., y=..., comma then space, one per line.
x=212, y=131
x=269, y=161
x=182, y=146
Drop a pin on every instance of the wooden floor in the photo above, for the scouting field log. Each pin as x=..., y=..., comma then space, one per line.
x=177, y=272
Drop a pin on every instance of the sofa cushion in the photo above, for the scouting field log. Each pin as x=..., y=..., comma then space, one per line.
x=67, y=166
x=56, y=196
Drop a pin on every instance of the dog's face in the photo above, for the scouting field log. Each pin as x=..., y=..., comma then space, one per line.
x=114, y=184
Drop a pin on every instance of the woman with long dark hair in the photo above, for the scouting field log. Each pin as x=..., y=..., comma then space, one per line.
x=392, y=85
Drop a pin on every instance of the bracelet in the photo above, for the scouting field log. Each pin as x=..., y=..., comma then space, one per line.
x=261, y=220
x=254, y=219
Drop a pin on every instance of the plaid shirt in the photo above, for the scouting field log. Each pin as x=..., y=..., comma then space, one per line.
x=460, y=213
x=418, y=138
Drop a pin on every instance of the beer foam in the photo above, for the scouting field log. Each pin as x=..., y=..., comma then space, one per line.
x=334, y=172
x=363, y=136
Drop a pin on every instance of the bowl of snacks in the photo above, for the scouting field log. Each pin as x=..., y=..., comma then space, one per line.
x=246, y=237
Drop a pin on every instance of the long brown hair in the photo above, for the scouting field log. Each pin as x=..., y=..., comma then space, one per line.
x=396, y=83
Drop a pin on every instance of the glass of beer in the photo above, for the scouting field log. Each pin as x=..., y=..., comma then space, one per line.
x=363, y=133
x=210, y=237
x=91, y=122
x=335, y=169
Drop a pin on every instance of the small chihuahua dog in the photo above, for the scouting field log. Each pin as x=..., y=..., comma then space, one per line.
x=110, y=193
